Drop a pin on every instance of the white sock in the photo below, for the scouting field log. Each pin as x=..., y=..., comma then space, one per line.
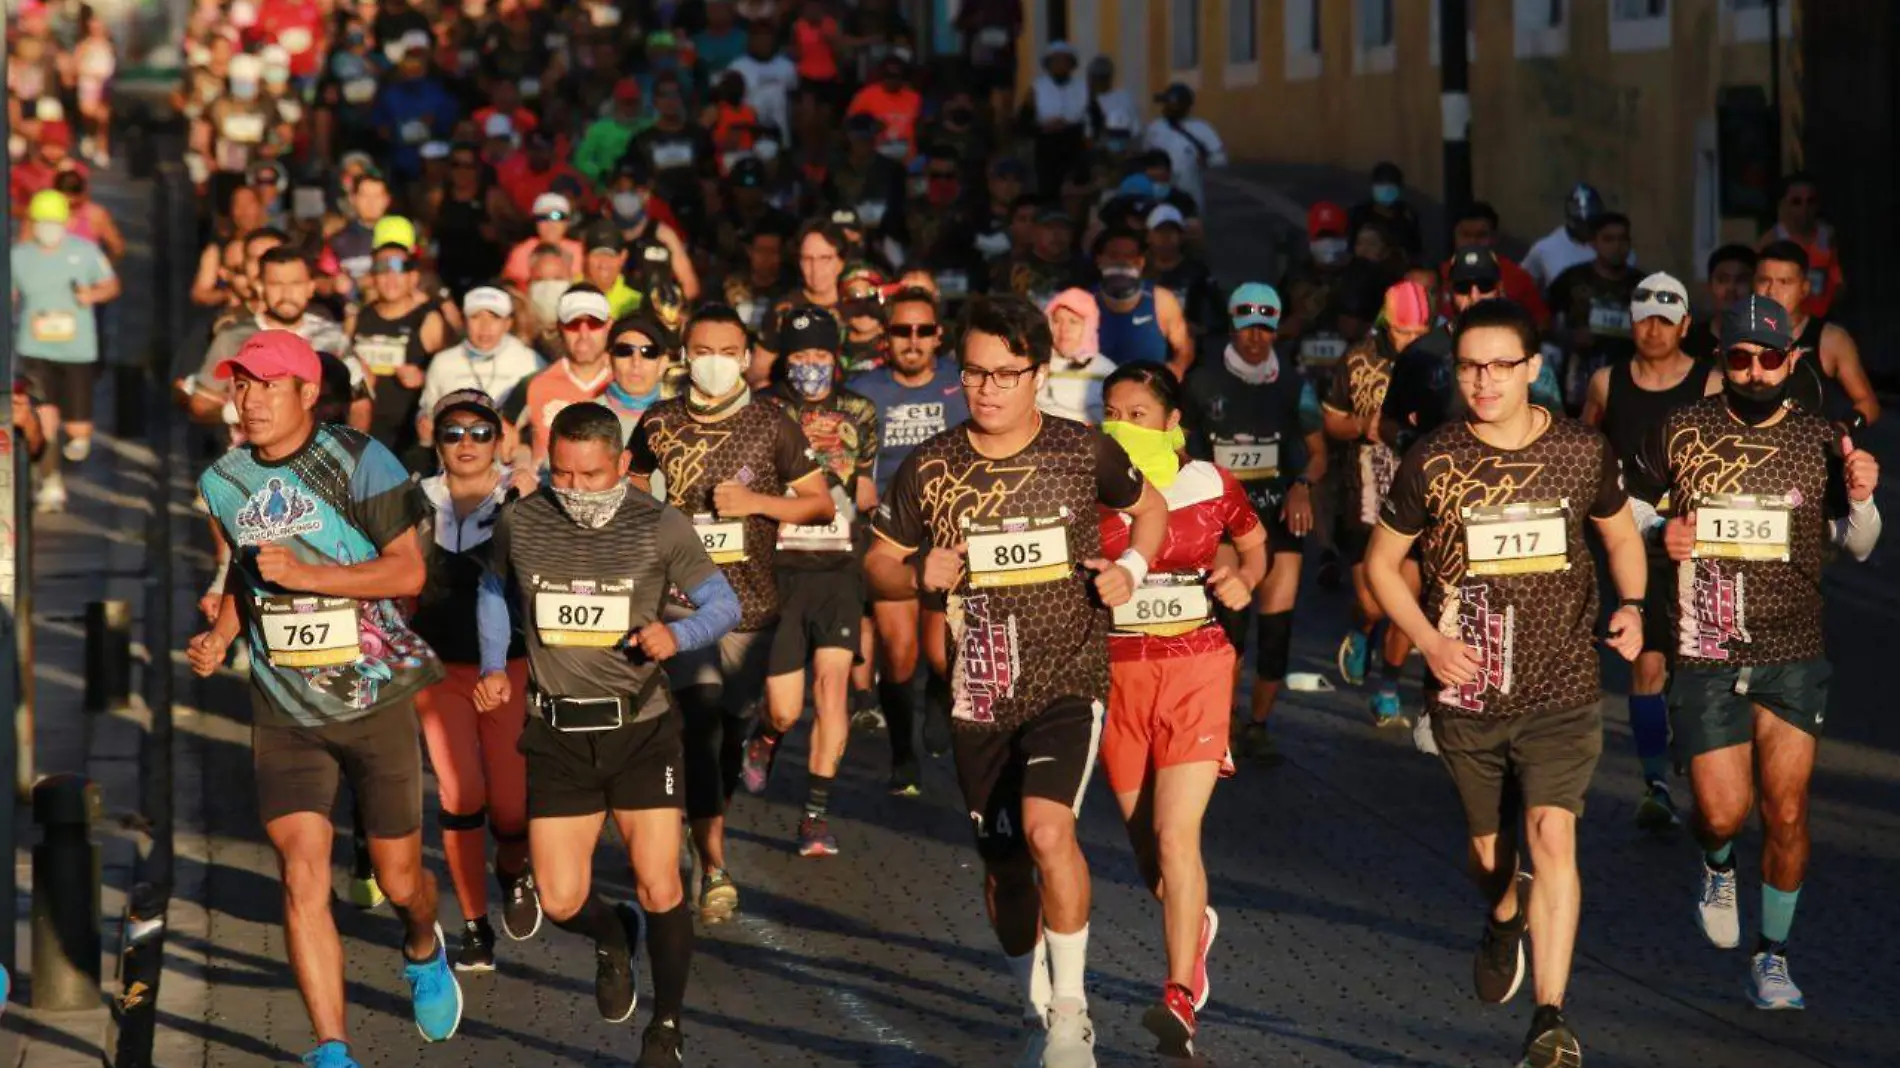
x=1068, y=960
x=1032, y=977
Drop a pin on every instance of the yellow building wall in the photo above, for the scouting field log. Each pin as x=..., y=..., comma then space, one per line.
x=1626, y=122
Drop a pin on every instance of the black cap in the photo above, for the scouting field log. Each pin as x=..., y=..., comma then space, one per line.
x=603, y=234
x=808, y=327
x=644, y=322
x=1757, y=319
x=1178, y=93
x=748, y=173
x=1387, y=171
x=1054, y=215
x=863, y=124
x=1475, y=263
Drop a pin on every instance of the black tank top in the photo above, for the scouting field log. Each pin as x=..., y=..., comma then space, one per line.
x=393, y=413
x=1631, y=414
x=1812, y=387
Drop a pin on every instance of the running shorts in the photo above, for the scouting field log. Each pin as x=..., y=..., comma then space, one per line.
x=66, y=386
x=299, y=768
x=1051, y=756
x=817, y=610
x=1538, y=760
x=1710, y=708
x=1164, y=712
x=633, y=767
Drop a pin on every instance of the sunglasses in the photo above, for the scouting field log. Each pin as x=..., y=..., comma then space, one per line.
x=551, y=216
x=1766, y=359
x=914, y=330
x=584, y=322
x=1656, y=296
x=1249, y=311
x=479, y=433
x=393, y=265
x=859, y=306
x=627, y=350
x=1472, y=289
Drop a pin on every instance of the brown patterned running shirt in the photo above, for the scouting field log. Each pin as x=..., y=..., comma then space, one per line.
x=1506, y=568
x=1358, y=389
x=1025, y=626
x=1763, y=495
x=758, y=446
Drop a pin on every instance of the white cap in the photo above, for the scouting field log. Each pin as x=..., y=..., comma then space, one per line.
x=435, y=150
x=246, y=67
x=1659, y=296
x=413, y=40
x=583, y=304
x=1163, y=214
x=498, y=125
x=1057, y=48
x=488, y=299
x=274, y=55
x=549, y=203
x=49, y=109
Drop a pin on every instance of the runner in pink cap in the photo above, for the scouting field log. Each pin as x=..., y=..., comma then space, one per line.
x=273, y=354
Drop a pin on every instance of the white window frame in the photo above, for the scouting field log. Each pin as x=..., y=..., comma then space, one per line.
x=1640, y=33
x=1378, y=58
x=1248, y=72
x=1533, y=36
x=1471, y=35
x=1174, y=38
x=1303, y=63
x=1749, y=25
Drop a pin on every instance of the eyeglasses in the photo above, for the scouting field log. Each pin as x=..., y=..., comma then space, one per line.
x=551, y=216
x=1496, y=369
x=1740, y=359
x=1005, y=378
x=479, y=433
x=914, y=329
x=1656, y=296
x=392, y=265
x=627, y=350
x=1249, y=311
x=584, y=322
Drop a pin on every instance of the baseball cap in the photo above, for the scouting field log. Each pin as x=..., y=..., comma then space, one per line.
x=808, y=328
x=748, y=173
x=1136, y=185
x=642, y=322
x=57, y=133
x=393, y=230
x=1758, y=319
x=1583, y=204
x=466, y=400
x=662, y=39
x=552, y=206
x=603, y=235
x=626, y=90
x=1325, y=217
x=1475, y=265
x=583, y=304
x=272, y=354
x=1178, y=93
x=488, y=299
x=49, y=205
x=1659, y=296
x=1165, y=215
x=1054, y=214
x=498, y=125
x=863, y=124
x=1261, y=304
x=435, y=150
x=1408, y=306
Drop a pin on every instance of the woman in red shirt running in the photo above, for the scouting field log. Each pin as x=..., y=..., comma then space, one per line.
x=1171, y=674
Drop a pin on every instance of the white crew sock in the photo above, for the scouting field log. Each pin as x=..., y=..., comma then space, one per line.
x=1068, y=960
x=1032, y=977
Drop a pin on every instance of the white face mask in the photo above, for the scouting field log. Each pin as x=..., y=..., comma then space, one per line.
x=766, y=150
x=48, y=233
x=715, y=375
x=1330, y=250
x=545, y=295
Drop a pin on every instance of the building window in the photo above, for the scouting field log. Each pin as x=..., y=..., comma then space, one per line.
x=1243, y=46
x=1748, y=19
x=1540, y=28
x=1375, y=50
x=1471, y=31
x=1304, y=50
x=1639, y=25
x=1184, y=35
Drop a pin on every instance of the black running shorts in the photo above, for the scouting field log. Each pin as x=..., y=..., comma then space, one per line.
x=1051, y=757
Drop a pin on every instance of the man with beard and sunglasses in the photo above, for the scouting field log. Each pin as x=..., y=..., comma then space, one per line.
x=395, y=334
x=1759, y=487
x=918, y=396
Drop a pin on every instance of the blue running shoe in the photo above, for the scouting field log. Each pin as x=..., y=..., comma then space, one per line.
x=434, y=993
x=1387, y=711
x=6, y=989
x=330, y=1055
x=1354, y=650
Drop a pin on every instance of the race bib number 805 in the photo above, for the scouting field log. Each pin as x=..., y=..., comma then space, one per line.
x=1517, y=539
x=1038, y=553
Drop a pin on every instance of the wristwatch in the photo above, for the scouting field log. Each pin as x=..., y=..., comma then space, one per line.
x=1632, y=602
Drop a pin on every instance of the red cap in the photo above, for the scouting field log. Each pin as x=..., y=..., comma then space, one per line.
x=274, y=354
x=1407, y=306
x=1325, y=217
x=57, y=133
x=626, y=90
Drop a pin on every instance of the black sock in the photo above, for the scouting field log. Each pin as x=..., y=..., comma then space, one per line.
x=818, y=795
x=670, y=947
x=900, y=718
x=597, y=921
x=1764, y=944
x=937, y=694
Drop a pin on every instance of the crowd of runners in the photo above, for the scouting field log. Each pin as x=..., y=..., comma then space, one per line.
x=595, y=386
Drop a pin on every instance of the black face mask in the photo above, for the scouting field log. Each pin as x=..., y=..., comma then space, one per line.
x=1755, y=403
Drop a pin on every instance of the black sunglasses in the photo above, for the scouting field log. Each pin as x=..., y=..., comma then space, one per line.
x=1248, y=311
x=1466, y=289
x=627, y=350
x=479, y=433
x=914, y=329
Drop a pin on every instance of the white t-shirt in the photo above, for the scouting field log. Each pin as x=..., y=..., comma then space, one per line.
x=1075, y=392
x=1069, y=103
x=1188, y=170
x=453, y=369
x=1119, y=111
x=768, y=88
x=1557, y=252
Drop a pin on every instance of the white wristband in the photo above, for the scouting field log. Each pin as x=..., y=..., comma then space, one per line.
x=1133, y=563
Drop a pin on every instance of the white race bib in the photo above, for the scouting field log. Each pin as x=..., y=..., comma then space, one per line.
x=896, y=149
x=1322, y=349
x=309, y=632
x=1610, y=320
x=832, y=537
x=953, y=285
x=582, y=616
x=1741, y=527
x=1037, y=553
x=246, y=128
x=359, y=90
x=724, y=539
x=414, y=132
x=382, y=355
x=530, y=88
x=1250, y=461
x=1165, y=605
x=296, y=40
x=670, y=154
x=55, y=326
x=871, y=212
x=1517, y=539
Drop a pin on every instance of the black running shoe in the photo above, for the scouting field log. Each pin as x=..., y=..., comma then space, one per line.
x=477, y=952
x=1551, y=1043
x=520, y=905
x=1499, y=967
x=905, y=780
x=662, y=1046
x=615, y=991
x=936, y=728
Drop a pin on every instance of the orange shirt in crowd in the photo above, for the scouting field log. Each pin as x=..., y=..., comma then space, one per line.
x=898, y=111
x=811, y=43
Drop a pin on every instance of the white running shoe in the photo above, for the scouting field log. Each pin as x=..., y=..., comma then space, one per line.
x=1422, y=739
x=1769, y=986
x=51, y=496
x=1035, y=1040
x=1716, y=914
x=1071, y=1036
x=76, y=450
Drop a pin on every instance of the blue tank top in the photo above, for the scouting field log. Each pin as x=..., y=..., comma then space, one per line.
x=1133, y=336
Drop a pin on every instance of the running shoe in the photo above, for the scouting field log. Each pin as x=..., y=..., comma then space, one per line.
x=718, y=897
x=866, y=716
x=6, y=988
x=1257, y=745
x=936, y=728
x=330, y=1055
x=520, y=905
x=905, y=780
x=364, y=893
x=76, y=450
x=1354, y=650
x=1551, y=1043
x=760, y=754
x=1171, y=1020
x=1388, y=712
x=1071, y=1036
x=51, y=496
x=1716, y=914
x=616, y=992
x=478, y=947
x=434, y=993
x=1210, y=928
x=815, y=838
x=662, y=1046
x=1498, y=969
x=1657, y=810
x=1035, y=1042
x=1768, y=984
x=1422, y=739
